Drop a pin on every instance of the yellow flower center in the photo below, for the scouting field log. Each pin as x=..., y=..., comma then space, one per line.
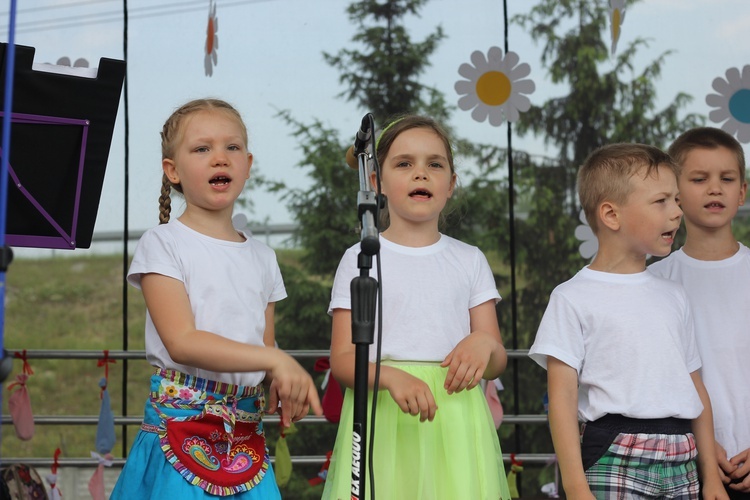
x=493, y=88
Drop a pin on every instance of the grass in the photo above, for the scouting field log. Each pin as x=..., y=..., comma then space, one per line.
x=74, y=304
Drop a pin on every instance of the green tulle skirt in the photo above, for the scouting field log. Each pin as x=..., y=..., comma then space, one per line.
x=457, y=455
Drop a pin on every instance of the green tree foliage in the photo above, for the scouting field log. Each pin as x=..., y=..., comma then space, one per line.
x=382, y=74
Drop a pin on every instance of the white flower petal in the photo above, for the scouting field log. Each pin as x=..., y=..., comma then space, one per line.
x=524, y=86
x=512, y=114
x=731, y=126
x=721, y=86
x=468, y=102
x=521, y=71
x=479, y=61
x=733, y=78
x=520, y=102
x=495, y=56
x=719, y=115
x=588, y=249
x=743, y=135
x=480, y=113
x=717, y=100
x=465, y=87
x=468, y=71
x=746, y=76
x=496, y=116
x=510, y=61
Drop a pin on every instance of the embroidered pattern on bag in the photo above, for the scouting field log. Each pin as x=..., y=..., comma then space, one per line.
x=222, y=449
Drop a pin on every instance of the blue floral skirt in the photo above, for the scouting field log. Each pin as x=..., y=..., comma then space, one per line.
x=199, y=439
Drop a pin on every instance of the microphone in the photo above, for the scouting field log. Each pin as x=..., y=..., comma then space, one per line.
x=359, y=157
x=363, y=135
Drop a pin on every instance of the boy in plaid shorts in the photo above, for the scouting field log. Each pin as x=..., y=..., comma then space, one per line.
x=619, y=347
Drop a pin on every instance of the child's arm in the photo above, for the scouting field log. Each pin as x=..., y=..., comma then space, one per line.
x=411, y=394
x=480, y=354
x=562, y=384
x=703, y=430
x=169, y=307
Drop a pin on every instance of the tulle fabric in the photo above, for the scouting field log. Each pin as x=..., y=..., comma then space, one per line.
x=457, y=455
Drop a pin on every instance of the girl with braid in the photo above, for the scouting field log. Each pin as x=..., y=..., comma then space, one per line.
x=210, y=292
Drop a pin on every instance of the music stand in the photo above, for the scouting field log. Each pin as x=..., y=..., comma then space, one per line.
x=62, y=126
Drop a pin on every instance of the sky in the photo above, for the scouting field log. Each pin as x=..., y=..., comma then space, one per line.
x=269, y=58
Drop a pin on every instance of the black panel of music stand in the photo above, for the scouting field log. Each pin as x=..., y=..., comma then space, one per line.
x=61, y=132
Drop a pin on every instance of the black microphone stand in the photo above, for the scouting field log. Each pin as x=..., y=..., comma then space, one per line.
x=364, y=290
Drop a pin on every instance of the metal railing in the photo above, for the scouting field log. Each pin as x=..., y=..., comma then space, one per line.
x=123, y=420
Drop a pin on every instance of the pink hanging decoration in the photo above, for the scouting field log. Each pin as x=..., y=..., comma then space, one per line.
x=493, y=401
x=19, y=403
x=96, y=483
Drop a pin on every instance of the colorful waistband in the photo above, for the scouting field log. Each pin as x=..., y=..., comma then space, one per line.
x=202, y=384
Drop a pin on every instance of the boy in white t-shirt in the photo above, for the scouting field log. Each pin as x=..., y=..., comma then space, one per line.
x=619, y=348
x=714, y=268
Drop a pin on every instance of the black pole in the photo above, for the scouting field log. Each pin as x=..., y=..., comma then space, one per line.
x=364, y=291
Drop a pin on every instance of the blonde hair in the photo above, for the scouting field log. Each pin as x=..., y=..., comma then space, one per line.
x=606, y=173
x=171, y=135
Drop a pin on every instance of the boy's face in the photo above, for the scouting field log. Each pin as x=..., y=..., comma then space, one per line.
x=711, y=190
x=651, y=216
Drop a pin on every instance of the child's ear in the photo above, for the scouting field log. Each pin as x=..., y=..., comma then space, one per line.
x=170, y=171
x=453, y=186
x=249, y=164
x=743, y=193
x=609, y=215
x=374, y=180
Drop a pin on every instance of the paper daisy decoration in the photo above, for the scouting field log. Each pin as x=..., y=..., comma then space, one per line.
x=732, y=103
x=494, y=86
x=212, y=40
x=616, y=18
x=589, y=244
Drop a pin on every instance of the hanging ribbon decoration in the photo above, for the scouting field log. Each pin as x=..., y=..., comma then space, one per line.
x=323, y=473
x=105, y=361
x=55, y=493
x=19, y=403
x=105, y=433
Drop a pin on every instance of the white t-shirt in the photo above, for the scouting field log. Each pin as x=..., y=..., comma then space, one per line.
x=719, y=293
x=630, y=338
x=229, y=284
x=427, y=294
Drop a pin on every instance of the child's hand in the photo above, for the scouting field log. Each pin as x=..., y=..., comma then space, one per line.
x=294, y=388
x=725, y=466
x=741, y=475
x=411, y=394
x=467, y=362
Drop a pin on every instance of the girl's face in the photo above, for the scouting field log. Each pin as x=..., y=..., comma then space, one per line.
x=211, y=161
x=417, y=178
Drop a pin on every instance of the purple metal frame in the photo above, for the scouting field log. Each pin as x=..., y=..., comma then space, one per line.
x=64, y=241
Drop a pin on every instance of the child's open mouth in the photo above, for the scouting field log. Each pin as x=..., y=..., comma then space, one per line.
x=220, y=180
x=420, y=193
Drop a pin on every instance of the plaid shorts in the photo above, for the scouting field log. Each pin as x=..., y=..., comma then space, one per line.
x=640, y=458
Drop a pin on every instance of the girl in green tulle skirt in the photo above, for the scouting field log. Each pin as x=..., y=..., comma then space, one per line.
x=434, y=435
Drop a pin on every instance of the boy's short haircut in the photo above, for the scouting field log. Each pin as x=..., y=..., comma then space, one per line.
x=706, y=138
x=605, y=174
